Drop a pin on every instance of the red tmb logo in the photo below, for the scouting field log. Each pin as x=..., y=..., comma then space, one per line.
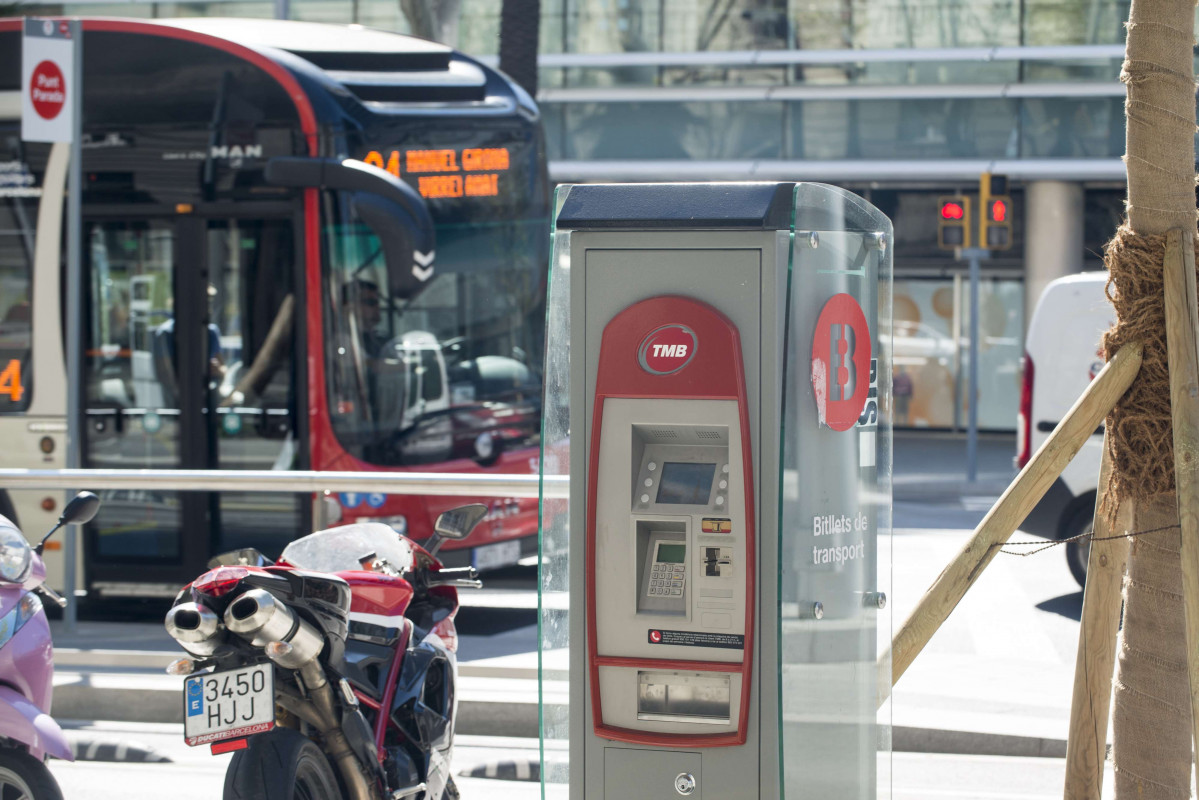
x=841, y=362
x=655, y=637
x=667, y=349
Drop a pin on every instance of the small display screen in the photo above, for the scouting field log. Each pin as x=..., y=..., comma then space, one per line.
x=686, y=483
x=672, y=553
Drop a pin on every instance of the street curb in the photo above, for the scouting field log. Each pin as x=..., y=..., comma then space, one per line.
x=971, y=743
x=903, y=740
x=522, y=720
x=110, y=750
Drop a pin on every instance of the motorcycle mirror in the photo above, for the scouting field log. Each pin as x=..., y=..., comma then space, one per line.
x=82, y=509
x=457, y=523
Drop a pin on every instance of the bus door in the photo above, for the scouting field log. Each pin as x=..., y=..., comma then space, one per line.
x=190, y=337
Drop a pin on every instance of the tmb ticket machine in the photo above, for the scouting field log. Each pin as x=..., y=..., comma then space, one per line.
x=718, y=392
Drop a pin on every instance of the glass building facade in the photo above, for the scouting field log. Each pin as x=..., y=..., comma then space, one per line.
x=902, y=101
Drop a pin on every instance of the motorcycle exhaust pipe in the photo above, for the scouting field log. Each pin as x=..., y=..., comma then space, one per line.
x=195, y=627
x=260, y=618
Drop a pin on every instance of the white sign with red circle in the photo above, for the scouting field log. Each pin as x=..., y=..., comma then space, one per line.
x=667, y=349
x=47, y=70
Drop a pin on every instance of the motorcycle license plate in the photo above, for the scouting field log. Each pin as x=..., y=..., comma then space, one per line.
x=493, y=556
x=228, y=705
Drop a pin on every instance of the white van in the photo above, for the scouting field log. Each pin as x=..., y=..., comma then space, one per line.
x=1062, y=355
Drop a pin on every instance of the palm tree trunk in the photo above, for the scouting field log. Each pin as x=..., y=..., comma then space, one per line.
x=1151, y=722
x=1151, y=750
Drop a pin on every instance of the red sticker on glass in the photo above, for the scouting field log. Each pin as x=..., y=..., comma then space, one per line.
x=841, y=362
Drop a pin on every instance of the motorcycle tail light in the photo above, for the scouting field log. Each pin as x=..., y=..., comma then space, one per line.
x=220, y=581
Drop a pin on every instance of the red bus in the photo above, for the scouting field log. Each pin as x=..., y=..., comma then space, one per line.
x=262, y=203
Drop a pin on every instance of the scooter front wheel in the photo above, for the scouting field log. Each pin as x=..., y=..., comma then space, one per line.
x=23, y=777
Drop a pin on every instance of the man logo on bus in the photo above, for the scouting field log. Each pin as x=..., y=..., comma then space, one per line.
x=667, y=349
x=841, y=362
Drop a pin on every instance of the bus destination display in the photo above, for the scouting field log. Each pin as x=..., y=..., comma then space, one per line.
x=447, y=172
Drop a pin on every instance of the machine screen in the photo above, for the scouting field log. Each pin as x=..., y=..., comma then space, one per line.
x=686, y=483
x=672, y=553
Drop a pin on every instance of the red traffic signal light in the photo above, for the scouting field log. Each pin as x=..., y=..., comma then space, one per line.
x=953, y=210
x=997, y=211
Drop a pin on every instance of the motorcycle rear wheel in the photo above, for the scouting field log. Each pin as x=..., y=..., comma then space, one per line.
x=23, y=776
x=280, y=765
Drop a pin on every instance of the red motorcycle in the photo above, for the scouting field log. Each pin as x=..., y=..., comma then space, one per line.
x=330, y=673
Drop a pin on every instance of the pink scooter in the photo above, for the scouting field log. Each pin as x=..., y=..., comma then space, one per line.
x=28, y=734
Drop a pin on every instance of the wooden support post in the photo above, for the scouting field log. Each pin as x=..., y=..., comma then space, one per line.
x=1086, y=749
x=1006, y=515
x=1182, y=328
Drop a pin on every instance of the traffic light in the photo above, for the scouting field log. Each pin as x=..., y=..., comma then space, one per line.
x=953, y=222
x=995, y=221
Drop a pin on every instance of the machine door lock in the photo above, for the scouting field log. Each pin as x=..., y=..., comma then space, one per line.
x=718, y=562
x=684, y=783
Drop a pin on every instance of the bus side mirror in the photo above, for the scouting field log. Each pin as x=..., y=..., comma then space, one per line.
x=394, y=227
x=382, y=200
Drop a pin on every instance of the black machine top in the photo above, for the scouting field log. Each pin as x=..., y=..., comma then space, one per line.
x=722, y=206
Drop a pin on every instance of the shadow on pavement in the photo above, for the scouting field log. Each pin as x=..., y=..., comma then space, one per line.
x=1067, y=605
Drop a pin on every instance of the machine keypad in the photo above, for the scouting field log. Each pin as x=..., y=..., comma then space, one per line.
x=667, y=580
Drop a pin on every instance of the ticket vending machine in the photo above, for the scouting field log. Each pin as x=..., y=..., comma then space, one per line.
x=716, y=390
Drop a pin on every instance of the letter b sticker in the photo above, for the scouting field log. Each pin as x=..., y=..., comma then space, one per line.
x=841, y=362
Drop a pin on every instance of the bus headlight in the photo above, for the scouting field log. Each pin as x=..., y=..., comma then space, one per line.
x=15, y=555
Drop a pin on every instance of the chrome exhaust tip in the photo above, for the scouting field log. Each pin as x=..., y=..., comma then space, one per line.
x=257, y=616
x=260, y=618
x=195, y=627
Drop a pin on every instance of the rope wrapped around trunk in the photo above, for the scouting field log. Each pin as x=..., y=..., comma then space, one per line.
x=1140, y=434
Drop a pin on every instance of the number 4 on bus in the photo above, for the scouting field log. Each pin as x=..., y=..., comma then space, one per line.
x=10, y=381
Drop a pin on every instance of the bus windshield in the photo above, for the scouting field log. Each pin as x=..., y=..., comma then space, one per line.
x=452, y=372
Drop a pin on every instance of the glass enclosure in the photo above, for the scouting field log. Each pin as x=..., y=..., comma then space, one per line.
x=832, y=625
x=834, y=518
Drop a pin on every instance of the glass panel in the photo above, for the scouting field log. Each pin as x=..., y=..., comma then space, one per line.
x=1001, y=344
x=927, y=352
x=1072, y=128
x=674, y=130
x=835, y=515
x=837, y=129
x=18, y=218
x=252, y=309
x=131, y=406
x=554, y=542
